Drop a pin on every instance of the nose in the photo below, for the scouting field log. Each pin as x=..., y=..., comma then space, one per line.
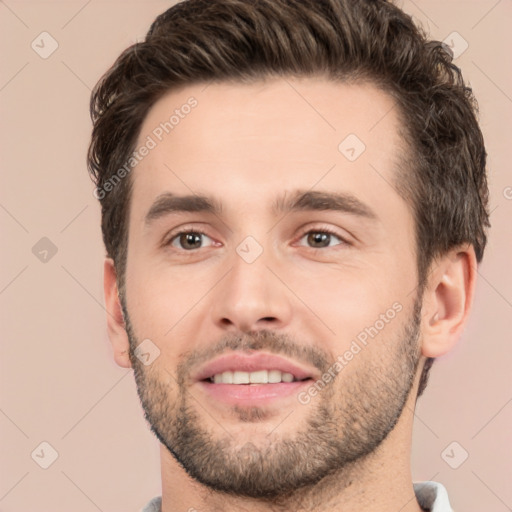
x=251, y=297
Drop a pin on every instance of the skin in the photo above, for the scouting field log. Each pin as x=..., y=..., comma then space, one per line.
x=246, y=145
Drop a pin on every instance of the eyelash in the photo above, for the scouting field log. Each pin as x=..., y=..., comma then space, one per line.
x=325, y=230
x=170, y=240
x=199, y=231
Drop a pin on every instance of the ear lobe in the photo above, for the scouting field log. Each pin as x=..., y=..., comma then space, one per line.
x=448, y=298
x=115, y=321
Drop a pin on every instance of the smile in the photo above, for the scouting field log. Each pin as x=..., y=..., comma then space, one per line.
x=257, y=377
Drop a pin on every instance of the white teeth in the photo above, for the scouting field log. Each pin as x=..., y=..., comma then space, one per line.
x=274, y=376
x=257, y=377
x=227, y=377
x=240, y=378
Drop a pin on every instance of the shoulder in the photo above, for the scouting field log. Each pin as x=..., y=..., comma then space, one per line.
x=155, y=505
x=432, y=496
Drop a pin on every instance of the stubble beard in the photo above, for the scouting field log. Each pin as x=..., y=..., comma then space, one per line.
x=347, y=421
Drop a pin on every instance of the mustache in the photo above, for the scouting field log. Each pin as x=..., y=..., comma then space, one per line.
x=270, y=341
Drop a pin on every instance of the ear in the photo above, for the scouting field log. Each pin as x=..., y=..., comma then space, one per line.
x=447, y=300
x=115, y=320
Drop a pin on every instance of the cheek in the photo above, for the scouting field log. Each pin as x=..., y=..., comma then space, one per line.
x=169, y=306
x=347, y=296
x=353, y=296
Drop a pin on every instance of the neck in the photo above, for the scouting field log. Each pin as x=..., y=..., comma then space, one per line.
x=380, y=482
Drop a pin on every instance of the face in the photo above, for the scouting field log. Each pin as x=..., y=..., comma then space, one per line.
x=272, y=267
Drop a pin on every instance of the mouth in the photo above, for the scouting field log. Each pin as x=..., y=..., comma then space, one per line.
x=252, y=379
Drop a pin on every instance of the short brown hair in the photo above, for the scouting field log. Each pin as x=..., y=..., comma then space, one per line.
x=373, y=41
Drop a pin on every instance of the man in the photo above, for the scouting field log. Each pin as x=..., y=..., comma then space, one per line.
x=294, y=203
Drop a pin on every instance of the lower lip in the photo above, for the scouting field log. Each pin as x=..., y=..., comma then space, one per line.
x=252, y=394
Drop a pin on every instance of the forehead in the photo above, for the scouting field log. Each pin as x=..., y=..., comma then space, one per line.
x=252, y=139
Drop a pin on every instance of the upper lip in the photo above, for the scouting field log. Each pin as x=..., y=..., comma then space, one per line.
x=252, y=362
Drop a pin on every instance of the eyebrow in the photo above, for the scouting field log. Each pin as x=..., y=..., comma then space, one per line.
x=299, y=200
x=167, y=203
x=322, y=200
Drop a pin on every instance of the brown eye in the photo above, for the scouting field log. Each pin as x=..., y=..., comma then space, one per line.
x=321, y=239
x=189, y=240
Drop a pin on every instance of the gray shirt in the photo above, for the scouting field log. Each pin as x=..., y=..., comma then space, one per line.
x=431, y=496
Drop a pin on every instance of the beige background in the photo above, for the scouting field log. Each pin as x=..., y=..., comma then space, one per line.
x=59, y=383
